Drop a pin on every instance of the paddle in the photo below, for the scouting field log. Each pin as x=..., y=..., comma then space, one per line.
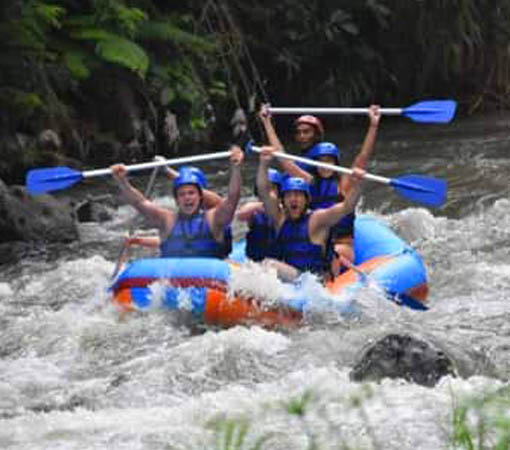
x=428, y=111
x=419, y=188
x=39, y=181
x=400, y=299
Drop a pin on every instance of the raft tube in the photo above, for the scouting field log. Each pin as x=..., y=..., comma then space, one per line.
x=200, y=285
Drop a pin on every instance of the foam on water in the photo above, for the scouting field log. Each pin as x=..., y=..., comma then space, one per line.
x=5, y=290
x=307, y=293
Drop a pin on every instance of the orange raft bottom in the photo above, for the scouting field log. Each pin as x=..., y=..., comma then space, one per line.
x=223, y=311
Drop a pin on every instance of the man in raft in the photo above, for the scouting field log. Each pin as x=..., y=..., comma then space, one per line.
x=261, y=236
x=210, y=200
x=302, y=236
x=326, y=187
x=191, y=231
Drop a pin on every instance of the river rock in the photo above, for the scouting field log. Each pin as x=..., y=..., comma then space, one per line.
x=34, y=218
x=94, y=209
x=403, y=356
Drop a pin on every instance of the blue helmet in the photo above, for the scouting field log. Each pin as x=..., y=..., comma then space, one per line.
x=295, y=184
x=274, y=177
x=324, y=149
x=188, y=177
x=198, y=172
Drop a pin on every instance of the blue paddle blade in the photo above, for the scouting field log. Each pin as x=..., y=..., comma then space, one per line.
x=431, y=111
x=39, y=181
x=420, y=188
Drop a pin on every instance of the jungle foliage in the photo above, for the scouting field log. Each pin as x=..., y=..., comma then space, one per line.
x=115, y=69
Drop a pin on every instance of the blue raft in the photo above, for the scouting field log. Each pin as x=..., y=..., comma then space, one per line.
x=380, y=255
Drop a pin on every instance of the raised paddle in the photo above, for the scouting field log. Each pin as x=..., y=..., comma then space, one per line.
x=427, y=111
x=418, y=188
x=39, y=181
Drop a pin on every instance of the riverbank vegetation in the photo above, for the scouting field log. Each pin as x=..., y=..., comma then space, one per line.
x=478, y=422
x=99, y=81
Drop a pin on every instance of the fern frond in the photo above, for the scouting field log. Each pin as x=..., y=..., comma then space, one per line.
x=168, y=32
x=124, y=52
x=76, y=63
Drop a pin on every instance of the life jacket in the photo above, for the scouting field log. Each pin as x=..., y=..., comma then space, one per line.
x=261, y=238
x=324, y=193
x=295, y=248
x=192, y=237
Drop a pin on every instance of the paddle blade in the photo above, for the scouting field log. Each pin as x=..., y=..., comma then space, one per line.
x=422, y=189
x=39, y=181
x=431, y=111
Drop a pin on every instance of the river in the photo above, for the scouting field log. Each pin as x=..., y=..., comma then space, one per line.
x=74, y=376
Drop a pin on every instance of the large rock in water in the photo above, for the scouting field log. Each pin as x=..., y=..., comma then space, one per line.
x=403, y=356
x=30, y=218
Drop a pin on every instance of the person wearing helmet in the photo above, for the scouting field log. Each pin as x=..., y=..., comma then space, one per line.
x=210, y=200
x=191, y=231
x=302, y=236
x=327, y=187
x=261, y=236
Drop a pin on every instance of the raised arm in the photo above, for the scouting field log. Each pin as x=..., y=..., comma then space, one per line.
x=367, y=149
x=263, y=187
x=288, y=166
x=323, y=219
x=247, y=211
x=161, y=218
x=222, y=215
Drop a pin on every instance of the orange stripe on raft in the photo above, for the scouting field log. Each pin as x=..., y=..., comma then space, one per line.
x=419, y=292
x=122, y=298
x=224, y=311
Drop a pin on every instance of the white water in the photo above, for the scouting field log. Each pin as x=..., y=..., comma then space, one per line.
x=74, y=376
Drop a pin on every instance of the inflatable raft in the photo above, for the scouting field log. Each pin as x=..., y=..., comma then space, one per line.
x=200, y=285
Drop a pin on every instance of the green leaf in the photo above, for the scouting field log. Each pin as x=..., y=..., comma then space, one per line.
x=168, y=32
x=124, y=52
x=51, y=14
x=75, y=62
x=116, y=49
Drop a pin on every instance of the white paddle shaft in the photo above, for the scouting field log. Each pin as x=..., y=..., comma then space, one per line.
x=313, y=110
x=164, y=162
x=333, y=167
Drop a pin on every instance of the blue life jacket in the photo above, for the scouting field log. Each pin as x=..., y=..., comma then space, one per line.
x=325, y=193
x=295, y=248
x=192, y=237
x=261, y=238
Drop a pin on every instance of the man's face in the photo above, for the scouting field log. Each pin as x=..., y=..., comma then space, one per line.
x=294, y=203
x=326, y=173
x=188, y=199
x=305, y=135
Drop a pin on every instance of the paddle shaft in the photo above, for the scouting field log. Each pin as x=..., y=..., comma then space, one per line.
x=312, y=110
x=154, y=164
x=311, y=162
